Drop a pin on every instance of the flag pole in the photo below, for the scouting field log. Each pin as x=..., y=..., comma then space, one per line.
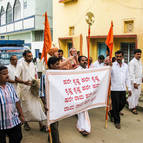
x=88, y=45
x=109, y=43
x=50, y=134
x=109, y=91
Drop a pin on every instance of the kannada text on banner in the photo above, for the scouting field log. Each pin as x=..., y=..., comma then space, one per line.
x=71, y=92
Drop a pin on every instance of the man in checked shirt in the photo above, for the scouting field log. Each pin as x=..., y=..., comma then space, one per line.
x=11, y=114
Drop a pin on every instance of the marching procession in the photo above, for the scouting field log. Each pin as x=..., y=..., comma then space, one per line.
x=42, y=84
x=19, y=105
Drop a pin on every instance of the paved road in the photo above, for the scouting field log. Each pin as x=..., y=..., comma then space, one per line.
x=131, y=130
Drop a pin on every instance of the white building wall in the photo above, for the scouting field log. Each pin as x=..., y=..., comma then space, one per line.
x=24, y=28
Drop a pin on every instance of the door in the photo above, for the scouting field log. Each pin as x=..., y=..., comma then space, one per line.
x=101, y=48
x=37, y=53
x=69, y=46
x=128, y=49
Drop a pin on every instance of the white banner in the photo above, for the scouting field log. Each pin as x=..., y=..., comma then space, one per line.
x=69, y=92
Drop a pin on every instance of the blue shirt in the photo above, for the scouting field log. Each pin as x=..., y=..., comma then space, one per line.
x=8, y=112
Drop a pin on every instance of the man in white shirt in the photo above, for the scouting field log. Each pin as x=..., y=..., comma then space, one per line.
x=135, y=72
x=83, y=122
x=100, y=62
x=39, y=66
x=31, y=104
x=119, y=81
x=12, y=71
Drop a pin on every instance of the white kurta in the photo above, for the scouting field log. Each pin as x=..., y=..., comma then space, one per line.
x=83, y=122
x=12, y=73
x=31, y=104
x=40, y=65
x=135, y=72
x=96, y=64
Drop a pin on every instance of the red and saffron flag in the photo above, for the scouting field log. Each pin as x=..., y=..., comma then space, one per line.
x=47, y=39
x=109, y=40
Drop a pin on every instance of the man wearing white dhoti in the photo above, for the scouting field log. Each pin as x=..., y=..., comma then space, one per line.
x=12, y=71
x=135, y=72
x=31, y=105
x=83, y=122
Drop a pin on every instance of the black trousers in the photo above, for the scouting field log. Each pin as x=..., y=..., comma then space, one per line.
x=118, y=102
x=14, y=135
x=55, y=132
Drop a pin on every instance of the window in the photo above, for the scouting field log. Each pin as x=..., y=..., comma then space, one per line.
x=17, y=10
x=2, y=37
x=71, y=30
x=128, y=26
x=9, y=14
x=25, y=4
x=39, y=35
x=128, y=49
x=2, y=17
x=69, y=46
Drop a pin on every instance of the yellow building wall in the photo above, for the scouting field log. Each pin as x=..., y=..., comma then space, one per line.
x=105, y=11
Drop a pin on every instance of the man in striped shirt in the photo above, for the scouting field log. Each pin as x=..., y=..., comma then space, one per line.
x=10, y=110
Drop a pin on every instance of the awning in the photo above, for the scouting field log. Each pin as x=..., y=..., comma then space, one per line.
x=11, y=48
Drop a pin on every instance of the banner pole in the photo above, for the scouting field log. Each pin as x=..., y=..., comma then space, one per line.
x=109, y=90
x=50, y=135
x=108, y=98
x=88, y=44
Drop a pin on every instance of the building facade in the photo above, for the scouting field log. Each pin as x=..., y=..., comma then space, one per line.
x=24, y=20
x=71, y=29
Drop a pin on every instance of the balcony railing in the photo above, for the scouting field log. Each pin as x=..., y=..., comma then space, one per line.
x=18, y=26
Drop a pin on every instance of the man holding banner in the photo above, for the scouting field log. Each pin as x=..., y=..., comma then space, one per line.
x=83, y=123
x=53, y=63
x=119, y=81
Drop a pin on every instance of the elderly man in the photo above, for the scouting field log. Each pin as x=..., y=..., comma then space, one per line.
x=74, y=63
x=31, y=105
x=65, y=64
x=135, y=72
x=10, y=110
x=12, y=70
x=119, y=81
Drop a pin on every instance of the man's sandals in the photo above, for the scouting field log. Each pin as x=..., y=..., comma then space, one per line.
x=43, y=129
x=84, y=133
x=134, y=111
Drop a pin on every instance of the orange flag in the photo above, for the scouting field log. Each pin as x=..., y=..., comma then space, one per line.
x=47, y=39
x=109, y=40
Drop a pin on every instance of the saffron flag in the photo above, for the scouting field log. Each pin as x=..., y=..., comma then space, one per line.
x=47, y=39
x=109, y=40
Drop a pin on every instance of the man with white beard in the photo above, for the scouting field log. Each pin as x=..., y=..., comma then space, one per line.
x=135, y=72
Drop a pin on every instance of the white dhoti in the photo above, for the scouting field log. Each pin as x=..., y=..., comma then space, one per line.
x=31, y=106
x=83, y=123
x=135, y=71
x=134, y=98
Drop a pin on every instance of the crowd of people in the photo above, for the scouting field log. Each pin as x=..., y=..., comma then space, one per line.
x=19, y=105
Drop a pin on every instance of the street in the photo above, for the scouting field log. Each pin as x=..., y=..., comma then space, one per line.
x=130, y=132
